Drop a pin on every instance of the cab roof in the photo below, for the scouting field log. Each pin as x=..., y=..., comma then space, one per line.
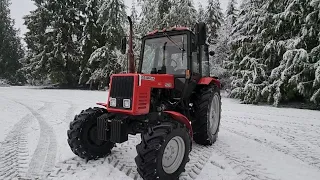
x=168, y=30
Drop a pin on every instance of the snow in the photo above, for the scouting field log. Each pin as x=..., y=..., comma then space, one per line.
x=255, y=142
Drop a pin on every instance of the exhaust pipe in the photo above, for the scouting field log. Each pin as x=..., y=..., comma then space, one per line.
x=130, y=50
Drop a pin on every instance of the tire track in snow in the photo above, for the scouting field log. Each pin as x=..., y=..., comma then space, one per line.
x=296, y=129
x=246, y=168
x=70, y=113
x=254, y=114
x=298, y=125
x=299, y=151
x=14, y=151
x=43, y=159
x=122, y=158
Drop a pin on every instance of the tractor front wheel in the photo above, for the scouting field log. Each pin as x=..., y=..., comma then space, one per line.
x=83, y=137
x=163, y=152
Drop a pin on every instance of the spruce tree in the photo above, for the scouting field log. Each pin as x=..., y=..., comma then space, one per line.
x=148, y=17
x=92, y=38
x=275, y=52
x=164, y=7
x=182, y=13
x=65, y=56
x=10, y=47
x=201, y=14
x=214, y=19
x=231, y=15
x=107, y=60
x=313, y=34
x=112, y=17
x=136, y=37
x=248, y=70
x=36, y=65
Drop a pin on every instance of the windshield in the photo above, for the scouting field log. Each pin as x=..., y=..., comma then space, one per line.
x=169, y=51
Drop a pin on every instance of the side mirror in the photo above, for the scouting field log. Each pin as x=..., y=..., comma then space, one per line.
x=212, y=53
x=124, y=45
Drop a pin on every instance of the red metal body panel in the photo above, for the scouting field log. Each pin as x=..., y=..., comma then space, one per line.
x=181, y=118
x=143, y=83
x=208, y=80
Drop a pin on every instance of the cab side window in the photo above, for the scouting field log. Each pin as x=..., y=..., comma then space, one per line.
x=195, y=60
x=204, y=51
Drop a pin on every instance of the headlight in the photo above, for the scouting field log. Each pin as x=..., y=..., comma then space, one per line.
x=113, y=102
x=126, y=103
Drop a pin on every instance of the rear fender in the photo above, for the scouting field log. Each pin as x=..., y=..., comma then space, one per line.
x=182, y=119
x=208, y=80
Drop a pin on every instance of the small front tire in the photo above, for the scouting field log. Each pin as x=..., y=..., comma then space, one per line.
x=82, y=135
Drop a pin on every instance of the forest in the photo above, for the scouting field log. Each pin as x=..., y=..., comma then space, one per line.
x=266, y=51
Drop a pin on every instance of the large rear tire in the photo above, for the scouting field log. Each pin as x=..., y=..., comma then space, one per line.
x=208, y=114
x=82, y=135
x=163, y=152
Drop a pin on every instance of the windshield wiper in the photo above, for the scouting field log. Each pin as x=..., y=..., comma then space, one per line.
x=181, y=49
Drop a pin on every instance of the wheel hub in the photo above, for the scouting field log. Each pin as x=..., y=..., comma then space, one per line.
x=214, y=115
x=93, y=137
x=173, y=155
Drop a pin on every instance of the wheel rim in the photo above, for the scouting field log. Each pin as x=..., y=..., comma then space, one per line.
x=173, y=155
x=93, y=137
x=214, y=115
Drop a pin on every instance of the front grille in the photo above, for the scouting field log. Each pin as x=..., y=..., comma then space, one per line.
x=142, y=103
x=122, y=88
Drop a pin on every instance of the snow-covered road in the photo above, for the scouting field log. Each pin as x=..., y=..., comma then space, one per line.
x=255, y=142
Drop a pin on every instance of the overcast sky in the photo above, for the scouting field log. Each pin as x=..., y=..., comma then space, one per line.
x=20, y=8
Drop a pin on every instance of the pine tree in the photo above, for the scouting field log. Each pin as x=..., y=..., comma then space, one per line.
x=65, y=56
x=10, y=47
x=164, y=7
x=248, y=70
x=201, y=14
x=92, y=38
x=136, y=37
x=107, y=59
x=103, y=63
x=313, y=34
x=36, y=65
x=231, y=15
x=112, y=17
x=182, y=13
x=275, y=52
x=214, y=19
x=148, y=18
x=222, y=47
x=134, y=14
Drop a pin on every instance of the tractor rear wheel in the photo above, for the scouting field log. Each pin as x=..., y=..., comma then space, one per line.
x=163, y=152
x=208, y=115
x=82, y=135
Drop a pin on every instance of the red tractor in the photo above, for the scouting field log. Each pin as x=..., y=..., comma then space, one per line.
x=170, y=100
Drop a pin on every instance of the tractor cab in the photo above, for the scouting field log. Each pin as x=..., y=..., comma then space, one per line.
x=176, y=51
x=179, y=52
x=165, y=53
